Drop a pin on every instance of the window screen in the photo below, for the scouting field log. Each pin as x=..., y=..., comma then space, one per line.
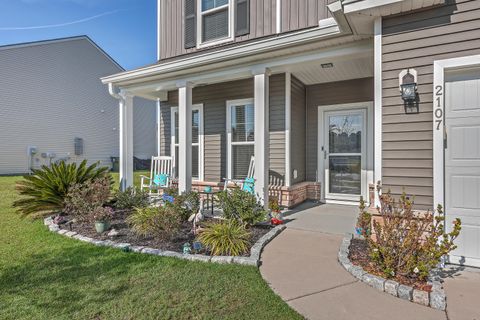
x=215, y=25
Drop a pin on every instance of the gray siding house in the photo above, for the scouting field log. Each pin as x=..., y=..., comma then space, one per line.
x=52, y=99
x=330, y=97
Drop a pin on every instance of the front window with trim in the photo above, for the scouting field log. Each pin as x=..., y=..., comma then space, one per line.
x=215, y=21
x=197, y=136
x=241, y=136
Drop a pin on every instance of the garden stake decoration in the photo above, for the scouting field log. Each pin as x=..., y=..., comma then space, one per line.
x=197, y=246
x=187, y=248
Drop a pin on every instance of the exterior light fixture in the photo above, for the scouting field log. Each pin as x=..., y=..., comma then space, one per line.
x=408, y=90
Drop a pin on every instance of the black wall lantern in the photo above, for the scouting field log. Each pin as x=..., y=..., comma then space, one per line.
x=408, y=89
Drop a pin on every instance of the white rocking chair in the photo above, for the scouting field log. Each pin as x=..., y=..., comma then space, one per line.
x=161, y=174
x=247, y=183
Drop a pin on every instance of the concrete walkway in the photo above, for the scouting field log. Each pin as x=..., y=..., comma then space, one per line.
x=301, y=266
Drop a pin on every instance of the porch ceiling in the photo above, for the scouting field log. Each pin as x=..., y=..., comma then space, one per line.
x=314, y=73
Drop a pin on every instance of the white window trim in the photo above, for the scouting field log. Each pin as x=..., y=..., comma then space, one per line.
x=378, y=105
x=231, y=22
x=230, y=104
x=201, y=147
x=439, y=68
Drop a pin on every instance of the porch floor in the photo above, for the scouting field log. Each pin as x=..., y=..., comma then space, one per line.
x=301, y=266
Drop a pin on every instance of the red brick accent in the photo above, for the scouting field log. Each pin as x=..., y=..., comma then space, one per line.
x=287, y=196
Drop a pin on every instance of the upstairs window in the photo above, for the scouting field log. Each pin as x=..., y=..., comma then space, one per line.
x=215, y=21
x=211, y=22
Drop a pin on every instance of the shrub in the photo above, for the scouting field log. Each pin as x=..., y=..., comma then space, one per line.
x=273, y=204
x=171, y=191
x=44, y=191
x=364, y=220
x=163, y=222
x=225, y=238
x=186, y=204
x=241, y=205
x=83, y=198
x=131, y=198
x=102, y=214
x=406, y=243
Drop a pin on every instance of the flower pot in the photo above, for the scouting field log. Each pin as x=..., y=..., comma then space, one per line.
x=101, y=226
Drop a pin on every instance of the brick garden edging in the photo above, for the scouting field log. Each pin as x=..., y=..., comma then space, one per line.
x=252, y=260
x=435, y=299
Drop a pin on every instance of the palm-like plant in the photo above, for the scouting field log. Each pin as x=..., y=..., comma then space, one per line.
x=225, y=238
x=44, y=191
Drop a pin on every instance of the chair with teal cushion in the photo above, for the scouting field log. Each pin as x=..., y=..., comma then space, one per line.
x=161, y=171
x=161, y=180
x=247, y=184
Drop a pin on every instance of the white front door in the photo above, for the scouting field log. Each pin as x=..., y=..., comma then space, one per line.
x=344, y=152
x=462, y=161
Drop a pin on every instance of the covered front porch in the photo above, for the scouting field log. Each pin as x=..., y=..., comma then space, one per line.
x=213, y=121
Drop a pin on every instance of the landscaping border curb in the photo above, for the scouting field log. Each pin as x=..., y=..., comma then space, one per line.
x=252, y=260
x=435, y=299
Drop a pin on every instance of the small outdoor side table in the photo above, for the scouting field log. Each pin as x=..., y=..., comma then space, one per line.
x=209, y=199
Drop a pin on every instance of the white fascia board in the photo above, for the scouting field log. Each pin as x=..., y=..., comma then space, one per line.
x=366, y=4
x=209, y=59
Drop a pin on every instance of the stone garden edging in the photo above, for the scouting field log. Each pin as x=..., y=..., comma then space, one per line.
x=252, y=260
x=435, y=299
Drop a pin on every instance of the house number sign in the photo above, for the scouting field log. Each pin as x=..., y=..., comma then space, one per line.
x=438, y=113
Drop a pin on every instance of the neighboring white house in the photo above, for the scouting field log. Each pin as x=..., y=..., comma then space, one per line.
x=54, y=106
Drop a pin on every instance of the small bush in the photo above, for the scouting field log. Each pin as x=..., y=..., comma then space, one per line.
x=409, y=244
x=274, y=207
x=171, y=191
x=163, y=222
x=102, y=214
x=225, y=238
x=242, y=206
x=45, y=190
x=186, y=204
x=83, y=198
x=131, y=198
x=364, y=220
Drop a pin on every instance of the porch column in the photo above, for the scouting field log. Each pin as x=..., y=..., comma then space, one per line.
x=185, y=136
x=261, y=149
x=159, y=133
x=126, y=140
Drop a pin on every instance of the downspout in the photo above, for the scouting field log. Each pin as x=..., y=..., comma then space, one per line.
x=113, y=93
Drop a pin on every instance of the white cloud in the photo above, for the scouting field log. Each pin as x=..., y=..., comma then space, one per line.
x=64, y=24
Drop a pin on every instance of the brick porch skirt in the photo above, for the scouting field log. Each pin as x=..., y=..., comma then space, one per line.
x=287, y=196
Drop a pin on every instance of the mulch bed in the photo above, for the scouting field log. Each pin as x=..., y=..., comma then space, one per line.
x=358, y=255
x=126, y=235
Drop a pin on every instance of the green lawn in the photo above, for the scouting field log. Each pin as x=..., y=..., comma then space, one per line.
x=46, y=276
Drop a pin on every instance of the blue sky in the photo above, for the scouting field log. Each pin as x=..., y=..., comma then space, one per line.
x=125, y=29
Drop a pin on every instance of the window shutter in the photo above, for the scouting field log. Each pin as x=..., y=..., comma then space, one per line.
x=190, y=24
x=242, y=17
